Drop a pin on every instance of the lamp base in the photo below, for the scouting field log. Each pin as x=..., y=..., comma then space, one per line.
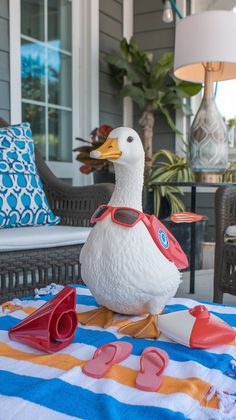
x=208, y=177
x=208, y=146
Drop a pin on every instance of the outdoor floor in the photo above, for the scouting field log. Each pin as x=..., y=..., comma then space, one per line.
x=203, y=288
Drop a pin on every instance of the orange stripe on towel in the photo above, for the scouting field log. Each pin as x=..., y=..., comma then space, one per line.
x=194, y=387
x=29, y=310
x=59, y=361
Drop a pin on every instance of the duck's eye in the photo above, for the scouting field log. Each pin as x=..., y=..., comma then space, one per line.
x=130, y=139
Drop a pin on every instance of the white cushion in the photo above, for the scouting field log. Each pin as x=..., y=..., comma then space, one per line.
x=14, y=239
x=231, y=230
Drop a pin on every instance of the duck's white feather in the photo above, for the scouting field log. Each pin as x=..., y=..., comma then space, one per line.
x=125, y=270
x=123, y=267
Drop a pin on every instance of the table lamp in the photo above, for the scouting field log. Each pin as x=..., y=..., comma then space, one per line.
x=205, y=51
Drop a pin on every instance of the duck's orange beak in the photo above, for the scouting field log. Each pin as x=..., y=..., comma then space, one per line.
x=109, y=150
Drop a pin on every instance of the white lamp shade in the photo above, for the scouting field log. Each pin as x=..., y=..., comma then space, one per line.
x=202, y=38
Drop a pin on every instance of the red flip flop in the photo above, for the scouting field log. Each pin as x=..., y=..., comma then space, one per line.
x=105, y=357
x=153, y=363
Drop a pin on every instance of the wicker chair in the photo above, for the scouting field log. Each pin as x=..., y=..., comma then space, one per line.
x=225, y=252
x=22, y=271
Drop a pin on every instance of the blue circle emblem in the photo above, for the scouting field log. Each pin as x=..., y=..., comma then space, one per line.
x=163, y=239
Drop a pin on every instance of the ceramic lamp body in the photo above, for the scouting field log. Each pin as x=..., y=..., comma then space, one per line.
x=208, y=56
x=208, y=147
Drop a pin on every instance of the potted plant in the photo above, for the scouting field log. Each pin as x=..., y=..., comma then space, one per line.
x=102, y=169
x=152, y=85
x=230, y=174
x=168, y=167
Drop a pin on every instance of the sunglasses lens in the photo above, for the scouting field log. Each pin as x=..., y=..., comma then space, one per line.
x=99, y=212
x=128, y=217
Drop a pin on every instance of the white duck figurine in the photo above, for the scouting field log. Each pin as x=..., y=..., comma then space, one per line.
x=123, y=267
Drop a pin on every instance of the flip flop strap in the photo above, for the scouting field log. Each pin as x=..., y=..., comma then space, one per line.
x=100, y=349
x=155, y=352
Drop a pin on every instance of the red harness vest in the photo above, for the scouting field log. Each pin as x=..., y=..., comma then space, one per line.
x=166, y=242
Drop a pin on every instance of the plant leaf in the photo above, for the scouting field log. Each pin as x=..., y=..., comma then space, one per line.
x=169, y=120
x=122, y=64
x=189, y=88
x=162, y=67
x=124, y=48
x=168, y=154
x=187, y=110
x=135, y=93
x=177, y=204
x=157, y=201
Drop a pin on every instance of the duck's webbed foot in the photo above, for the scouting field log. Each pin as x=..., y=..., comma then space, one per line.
x=101, y=317
x=145, y=328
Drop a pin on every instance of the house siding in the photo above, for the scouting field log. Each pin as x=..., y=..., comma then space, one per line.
x=4, y=61
x=110, y=34
x=155, y=36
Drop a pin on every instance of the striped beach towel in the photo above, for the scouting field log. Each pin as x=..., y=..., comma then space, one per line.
x=198, y=384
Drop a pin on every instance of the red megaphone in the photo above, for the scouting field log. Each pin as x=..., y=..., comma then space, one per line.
x=51, y=327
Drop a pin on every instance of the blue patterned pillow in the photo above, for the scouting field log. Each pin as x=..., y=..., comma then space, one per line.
x=22, y=199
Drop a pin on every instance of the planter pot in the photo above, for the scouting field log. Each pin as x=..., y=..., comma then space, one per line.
x=103, y=176
x=182, y=232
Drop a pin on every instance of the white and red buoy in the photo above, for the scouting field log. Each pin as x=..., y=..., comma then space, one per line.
x=196, y=327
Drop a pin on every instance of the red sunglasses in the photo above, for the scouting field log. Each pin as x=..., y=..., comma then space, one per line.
x=124, y=216
x=128, y=217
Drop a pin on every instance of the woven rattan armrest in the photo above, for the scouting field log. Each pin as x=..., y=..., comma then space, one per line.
x=225, y=210
x=225, y=254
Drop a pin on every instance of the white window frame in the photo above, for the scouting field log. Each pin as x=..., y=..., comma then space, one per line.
x=85, y=78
